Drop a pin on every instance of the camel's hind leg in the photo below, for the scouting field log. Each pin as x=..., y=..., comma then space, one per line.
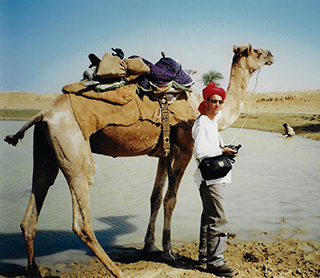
x=180, y=164
x=45, y=171
x=155, y=202
x=76, y=162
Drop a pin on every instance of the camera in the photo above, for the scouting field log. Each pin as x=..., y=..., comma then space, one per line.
x=236, y=148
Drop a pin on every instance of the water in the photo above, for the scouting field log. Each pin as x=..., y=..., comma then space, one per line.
x=274, y=194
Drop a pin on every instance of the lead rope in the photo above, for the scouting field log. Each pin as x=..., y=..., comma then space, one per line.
x=248, y=111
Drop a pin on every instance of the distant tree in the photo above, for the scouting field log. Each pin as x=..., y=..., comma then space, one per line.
x=211, y=76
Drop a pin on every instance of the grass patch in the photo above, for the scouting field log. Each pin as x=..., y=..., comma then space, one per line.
x=307, y=125
x=17, y=114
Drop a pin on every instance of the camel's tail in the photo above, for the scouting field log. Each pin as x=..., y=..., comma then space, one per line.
x=14, y=139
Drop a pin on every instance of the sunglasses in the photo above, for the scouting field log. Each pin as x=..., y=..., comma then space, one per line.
x=215, y=101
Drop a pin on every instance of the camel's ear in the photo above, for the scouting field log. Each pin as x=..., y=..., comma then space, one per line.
x=249, y=48
x=235, y=49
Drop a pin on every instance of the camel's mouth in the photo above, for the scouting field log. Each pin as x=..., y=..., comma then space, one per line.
x=270, y=59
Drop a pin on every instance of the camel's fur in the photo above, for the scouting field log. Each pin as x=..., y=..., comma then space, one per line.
x=60, y=144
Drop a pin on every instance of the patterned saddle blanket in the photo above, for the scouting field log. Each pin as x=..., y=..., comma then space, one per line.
x=165, y=71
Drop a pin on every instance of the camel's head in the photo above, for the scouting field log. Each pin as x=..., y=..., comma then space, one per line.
x=255, y=58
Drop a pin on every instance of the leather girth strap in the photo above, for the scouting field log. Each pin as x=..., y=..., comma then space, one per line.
x=165, y=125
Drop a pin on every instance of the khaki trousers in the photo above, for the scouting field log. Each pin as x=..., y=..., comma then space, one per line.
x=213, y=229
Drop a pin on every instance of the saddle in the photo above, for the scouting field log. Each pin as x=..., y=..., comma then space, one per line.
x=121, y=92
x=115, y=80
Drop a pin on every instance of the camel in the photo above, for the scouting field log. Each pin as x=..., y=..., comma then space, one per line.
x=60, y=144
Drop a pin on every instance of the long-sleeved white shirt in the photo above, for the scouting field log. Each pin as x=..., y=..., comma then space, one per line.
x=207, y=143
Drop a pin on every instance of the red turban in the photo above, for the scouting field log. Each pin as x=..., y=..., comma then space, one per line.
x=209, y=91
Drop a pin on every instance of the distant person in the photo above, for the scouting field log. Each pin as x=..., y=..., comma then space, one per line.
x=288, y=131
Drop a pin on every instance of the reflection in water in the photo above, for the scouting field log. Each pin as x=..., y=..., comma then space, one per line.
x=53, y=242
x=50, y=241
x=274, y=194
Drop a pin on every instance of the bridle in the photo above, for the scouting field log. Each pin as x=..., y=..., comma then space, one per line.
x=257, y=72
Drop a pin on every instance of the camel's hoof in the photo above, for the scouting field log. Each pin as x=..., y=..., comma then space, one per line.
x=170, y=256
x=150, y=248
x=11, y=139
x=33, y=272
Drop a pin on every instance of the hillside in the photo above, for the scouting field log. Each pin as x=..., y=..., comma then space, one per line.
x=268, y=111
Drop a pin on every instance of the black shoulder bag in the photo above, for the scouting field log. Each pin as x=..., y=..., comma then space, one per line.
x=215, y=167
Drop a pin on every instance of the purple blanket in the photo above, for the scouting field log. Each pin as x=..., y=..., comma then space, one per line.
x=163, y=72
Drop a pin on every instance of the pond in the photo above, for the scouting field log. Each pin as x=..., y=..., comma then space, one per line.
x=274, y=194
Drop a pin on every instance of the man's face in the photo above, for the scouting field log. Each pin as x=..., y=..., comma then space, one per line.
x=213, y=104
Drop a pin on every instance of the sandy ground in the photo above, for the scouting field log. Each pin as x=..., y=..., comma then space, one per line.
x=20, y=100
x=281, y=259
x=288, y=102
x=275, y=102
x=269, y=111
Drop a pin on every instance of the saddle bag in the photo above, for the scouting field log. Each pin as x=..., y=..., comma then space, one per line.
x=111, y=67
x=215, y=167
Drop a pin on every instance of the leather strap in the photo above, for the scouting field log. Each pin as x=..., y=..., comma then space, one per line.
x=165, y=126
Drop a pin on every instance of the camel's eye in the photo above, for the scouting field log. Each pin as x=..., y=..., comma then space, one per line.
x=258, y=54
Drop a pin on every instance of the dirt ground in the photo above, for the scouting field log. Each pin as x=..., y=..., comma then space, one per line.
x=281, y=259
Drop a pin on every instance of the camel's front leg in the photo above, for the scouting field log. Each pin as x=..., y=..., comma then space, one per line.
x=179, y=166
x=76, y=162
x=78, y=172
x=82, y=226
x=155, y=202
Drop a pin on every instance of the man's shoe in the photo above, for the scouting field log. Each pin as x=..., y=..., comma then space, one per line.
x=222, y=270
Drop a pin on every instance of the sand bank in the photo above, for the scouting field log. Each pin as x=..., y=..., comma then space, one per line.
x=267, y=112
x=286, y=259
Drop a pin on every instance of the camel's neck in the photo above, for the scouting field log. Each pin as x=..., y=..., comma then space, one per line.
x=235, y=95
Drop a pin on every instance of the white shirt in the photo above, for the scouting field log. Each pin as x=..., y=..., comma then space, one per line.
x=290, y=130
x=207, y=143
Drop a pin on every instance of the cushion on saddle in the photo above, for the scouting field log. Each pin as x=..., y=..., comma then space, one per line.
x=111, y=67
x=163, y=72
x=166, y=70
x=135, y=68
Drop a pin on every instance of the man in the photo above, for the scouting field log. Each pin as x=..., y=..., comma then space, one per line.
x=288, y=130
x=208, y=143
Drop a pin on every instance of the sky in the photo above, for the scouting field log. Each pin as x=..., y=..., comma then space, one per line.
x=44, y=44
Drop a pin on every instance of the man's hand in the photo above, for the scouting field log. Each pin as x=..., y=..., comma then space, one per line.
x=229, y=152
